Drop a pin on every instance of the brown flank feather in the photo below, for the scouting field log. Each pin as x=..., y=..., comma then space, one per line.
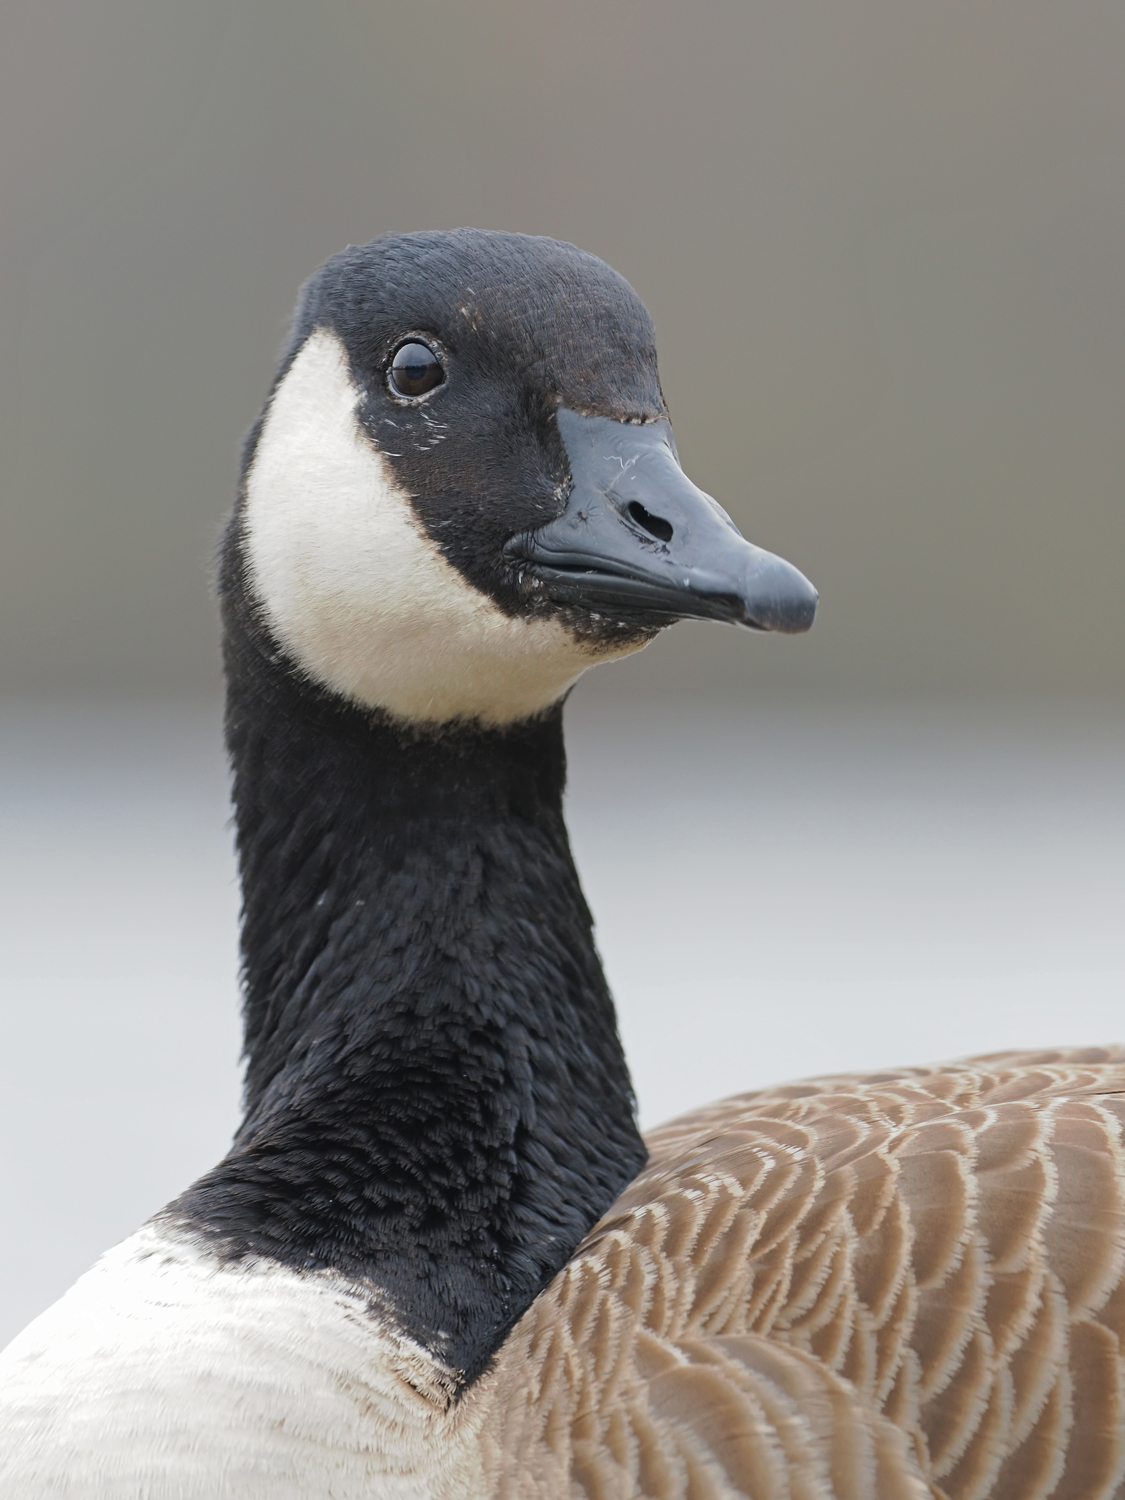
x=904, y=1284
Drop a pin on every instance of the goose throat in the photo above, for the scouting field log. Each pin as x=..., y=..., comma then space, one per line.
x=437, y=1103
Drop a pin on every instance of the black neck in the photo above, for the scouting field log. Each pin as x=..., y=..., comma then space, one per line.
x=437, y=1099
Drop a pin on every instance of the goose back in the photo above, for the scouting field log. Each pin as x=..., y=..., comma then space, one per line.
x=901, y=1284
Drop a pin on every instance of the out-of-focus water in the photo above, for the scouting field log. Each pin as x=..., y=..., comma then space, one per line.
x=781, y=892
x=789, y=892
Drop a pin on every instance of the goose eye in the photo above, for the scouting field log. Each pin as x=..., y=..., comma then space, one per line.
x=415, y=370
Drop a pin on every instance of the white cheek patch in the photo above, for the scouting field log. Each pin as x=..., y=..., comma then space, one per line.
x=355, y=590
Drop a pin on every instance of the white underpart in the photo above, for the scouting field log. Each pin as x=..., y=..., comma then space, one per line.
x=166, y=1375
x=355, y=590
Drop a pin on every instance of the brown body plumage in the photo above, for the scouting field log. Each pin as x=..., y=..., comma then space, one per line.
x=894, y=1285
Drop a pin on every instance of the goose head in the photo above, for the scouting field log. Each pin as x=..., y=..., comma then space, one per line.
x=464, y=489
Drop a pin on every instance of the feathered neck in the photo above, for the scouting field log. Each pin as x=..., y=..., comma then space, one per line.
x=437, y=1102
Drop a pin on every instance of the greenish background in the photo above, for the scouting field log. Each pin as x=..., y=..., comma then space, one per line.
x=882, y=242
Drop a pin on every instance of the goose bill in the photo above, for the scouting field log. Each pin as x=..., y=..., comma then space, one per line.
x=637, y=537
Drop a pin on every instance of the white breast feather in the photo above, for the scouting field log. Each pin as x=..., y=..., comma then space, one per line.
x=165, y=1374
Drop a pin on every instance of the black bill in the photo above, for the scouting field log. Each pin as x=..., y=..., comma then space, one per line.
x=638, y=538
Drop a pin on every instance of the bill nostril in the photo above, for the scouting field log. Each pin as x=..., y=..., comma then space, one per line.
x=656, y=526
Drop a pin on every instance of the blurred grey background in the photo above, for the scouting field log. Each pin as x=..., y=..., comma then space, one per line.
x=883, y=246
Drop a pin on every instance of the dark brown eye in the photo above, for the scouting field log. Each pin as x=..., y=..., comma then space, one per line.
x=415, y=370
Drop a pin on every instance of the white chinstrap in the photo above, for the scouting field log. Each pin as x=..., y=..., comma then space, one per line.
x=356, y=592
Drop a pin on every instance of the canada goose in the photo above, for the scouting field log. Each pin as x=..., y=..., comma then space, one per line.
x=435, y=1262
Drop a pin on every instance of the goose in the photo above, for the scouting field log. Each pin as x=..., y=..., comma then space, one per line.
x=439, y=1260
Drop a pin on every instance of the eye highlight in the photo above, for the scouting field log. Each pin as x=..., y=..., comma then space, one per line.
x=415, y=369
